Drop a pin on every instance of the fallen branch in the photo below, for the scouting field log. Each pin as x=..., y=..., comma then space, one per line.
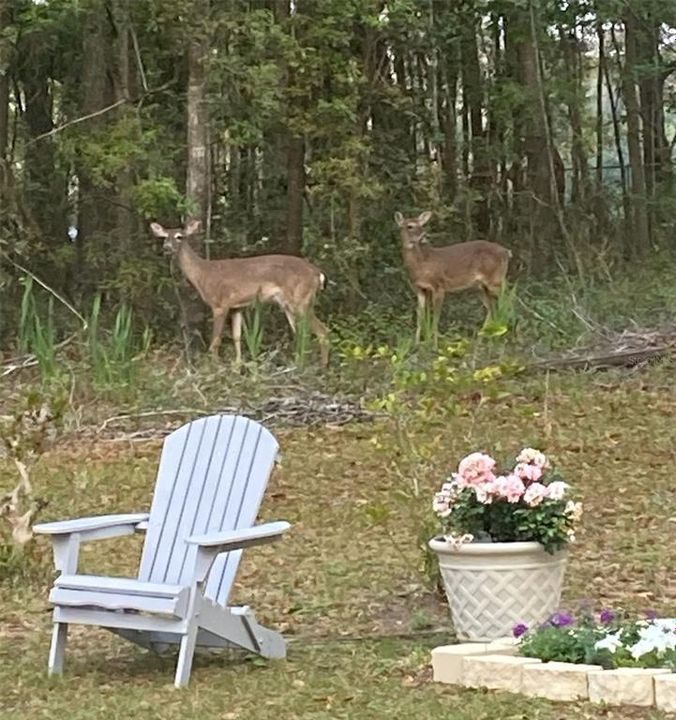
x=623, y=358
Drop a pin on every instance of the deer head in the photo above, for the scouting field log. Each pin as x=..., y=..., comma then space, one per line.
x=173, y=237
x=413, y=229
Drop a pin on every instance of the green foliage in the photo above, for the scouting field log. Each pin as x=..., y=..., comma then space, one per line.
x=301, y=341
x=113, y=355
x=37, y=334
x=252, y=330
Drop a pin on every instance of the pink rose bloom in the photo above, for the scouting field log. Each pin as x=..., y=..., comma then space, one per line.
x=485, y=492
x=476, y=468
x=511, y=488
x=528, y=473
x=535, y=494
x=533, y=457
x=441, y=505
x=556, y=490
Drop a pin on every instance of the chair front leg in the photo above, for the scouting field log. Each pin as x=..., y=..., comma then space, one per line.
x=186, y=650
x=57, y=651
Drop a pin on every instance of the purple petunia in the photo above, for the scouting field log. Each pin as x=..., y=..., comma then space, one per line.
x=561, y=619
x=606, y=616
x=519, y=630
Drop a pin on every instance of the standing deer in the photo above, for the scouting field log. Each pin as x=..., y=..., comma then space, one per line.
x=234, y=284
x=435, y=271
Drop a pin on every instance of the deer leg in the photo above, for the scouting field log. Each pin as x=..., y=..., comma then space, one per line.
x=322, y=333
x=290, y=318
x=437, y=303
x=216, y=332
x=488, y=298
x=420, y=314
x=236, y=326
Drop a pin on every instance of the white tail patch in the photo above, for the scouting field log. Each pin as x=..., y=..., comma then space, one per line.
x=322, y=280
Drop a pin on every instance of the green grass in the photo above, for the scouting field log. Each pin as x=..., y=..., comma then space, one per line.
x=350, y=575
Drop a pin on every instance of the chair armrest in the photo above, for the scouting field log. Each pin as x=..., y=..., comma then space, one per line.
x=84, y=525
x=68, y=534
x=237, y=539
x=213, y=544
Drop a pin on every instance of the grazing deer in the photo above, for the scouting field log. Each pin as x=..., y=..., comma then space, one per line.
x=234, y=284
x=435, y=271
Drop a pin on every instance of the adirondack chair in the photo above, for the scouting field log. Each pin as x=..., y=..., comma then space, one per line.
x=211, y=479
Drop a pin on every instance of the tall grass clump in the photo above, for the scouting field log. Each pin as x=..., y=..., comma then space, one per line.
x=113, y=354
x=37, y=334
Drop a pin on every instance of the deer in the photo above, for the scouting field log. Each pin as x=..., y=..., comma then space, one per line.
x=231, y=285
x=436, y=271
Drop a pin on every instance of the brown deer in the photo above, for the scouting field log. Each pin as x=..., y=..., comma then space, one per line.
x=435, y=271
x=234, y=284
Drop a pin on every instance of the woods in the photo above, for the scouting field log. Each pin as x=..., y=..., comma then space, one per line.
x=301, y=126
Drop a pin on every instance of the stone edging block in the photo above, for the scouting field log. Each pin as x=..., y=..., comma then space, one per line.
x=495, y=672
x=624, y=686
x=495, y=666
x=665, y=692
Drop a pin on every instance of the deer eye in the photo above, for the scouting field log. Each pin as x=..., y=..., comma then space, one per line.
x=411, y=226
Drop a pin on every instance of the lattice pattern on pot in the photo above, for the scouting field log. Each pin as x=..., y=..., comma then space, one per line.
x=488, y=604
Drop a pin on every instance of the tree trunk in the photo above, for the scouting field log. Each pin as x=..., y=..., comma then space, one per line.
x=639, y=215
x=5, y=61
x=472, y=88
x=580, y=183
x=44, y=185
x=197, y=166
x=540, y=159
x=94, y=208
x=600, y=37
x=122, y=82
x=295, y=194
x=617, y=135
x=197, y=171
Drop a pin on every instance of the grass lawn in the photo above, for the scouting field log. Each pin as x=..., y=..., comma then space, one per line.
x=347, y=585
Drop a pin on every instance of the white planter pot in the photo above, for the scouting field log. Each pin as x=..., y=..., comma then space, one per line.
x=493, y=586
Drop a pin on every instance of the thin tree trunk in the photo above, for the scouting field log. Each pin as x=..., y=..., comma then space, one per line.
x=472, y=84
x=600, y=36
x=639, y=229
x=617, y=135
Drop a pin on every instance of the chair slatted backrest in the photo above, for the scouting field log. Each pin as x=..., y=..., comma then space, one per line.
x=211, y=478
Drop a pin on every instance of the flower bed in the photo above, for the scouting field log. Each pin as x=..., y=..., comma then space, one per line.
x=609, y=639
x=608, y=658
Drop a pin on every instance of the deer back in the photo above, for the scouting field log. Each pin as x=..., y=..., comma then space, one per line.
x=238, y=282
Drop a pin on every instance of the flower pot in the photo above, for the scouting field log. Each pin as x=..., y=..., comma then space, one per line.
x=493, y=586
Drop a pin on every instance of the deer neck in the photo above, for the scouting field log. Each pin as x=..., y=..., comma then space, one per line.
x=415, y=256
x=192, y=265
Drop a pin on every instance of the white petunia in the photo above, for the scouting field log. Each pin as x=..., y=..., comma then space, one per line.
x=610, y=642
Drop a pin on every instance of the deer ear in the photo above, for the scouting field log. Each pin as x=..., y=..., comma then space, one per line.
x=158, y=230
x=399, y=218
x=194, y=226
x=425, y=217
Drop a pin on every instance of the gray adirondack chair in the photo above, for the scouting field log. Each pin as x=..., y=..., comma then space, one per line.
x=211, y=479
